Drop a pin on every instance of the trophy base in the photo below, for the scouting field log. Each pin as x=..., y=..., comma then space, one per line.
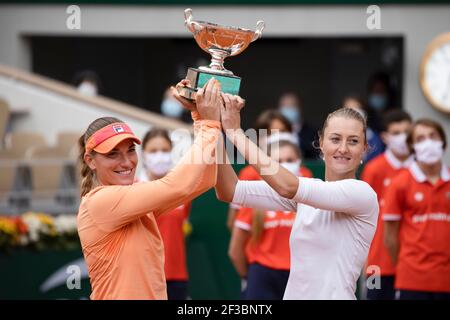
x=230, y=83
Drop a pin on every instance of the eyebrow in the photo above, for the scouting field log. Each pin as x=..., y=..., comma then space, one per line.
x=352, y=136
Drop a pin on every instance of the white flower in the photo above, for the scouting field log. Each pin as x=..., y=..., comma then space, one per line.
x=34, y=226
x=65, y=223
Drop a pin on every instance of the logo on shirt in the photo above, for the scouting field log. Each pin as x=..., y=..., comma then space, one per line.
x=386, y=182
x=271, y=214
x=418, y=196
x=118, y=129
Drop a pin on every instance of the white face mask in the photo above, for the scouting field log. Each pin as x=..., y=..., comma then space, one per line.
x=158, y=163
x=172, y=108
x=429, y=151
x=397, y=143
x=88, y=89
x=293, y=167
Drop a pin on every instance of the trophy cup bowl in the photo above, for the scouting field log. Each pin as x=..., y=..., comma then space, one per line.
x=220, y=42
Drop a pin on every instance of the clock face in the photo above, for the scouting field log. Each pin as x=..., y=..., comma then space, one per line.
x=435, y=78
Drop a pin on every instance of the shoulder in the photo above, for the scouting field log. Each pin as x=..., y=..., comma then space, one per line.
x=103, y=196
x=92, y=193
x=361, y=186
x=103, y=190
x=359, y=191
x=366, y=195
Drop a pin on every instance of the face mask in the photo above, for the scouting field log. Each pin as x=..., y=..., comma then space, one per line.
x=171, y=108
x=291, y=113
x=397, y=143
x=429, y=151
x=88, y=89
x=377, y=101
x=293, y=167
x=158, y=163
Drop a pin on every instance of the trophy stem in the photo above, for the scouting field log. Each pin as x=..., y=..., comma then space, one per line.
x=218, y=57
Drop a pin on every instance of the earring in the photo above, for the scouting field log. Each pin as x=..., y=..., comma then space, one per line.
x=361, y=162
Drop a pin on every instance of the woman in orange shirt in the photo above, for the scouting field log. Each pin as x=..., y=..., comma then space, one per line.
x=157, y=147
x=117, y=219
x=259, y=246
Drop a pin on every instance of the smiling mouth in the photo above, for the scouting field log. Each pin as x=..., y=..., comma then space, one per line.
x=124, y=172
x=342, y=158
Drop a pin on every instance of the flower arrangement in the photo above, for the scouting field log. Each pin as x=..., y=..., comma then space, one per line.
x=39, y=231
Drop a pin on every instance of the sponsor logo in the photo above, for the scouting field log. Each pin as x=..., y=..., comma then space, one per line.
x=118, y=129
x=430, y=216
x=418, y=196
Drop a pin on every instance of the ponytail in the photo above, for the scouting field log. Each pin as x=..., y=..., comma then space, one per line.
x=87, y=175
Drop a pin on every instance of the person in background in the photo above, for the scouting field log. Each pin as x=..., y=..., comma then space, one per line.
x=416, y=214
x=376, y=145
x=278, y=128
x=172, y=108
x=259, y=245
x=87, y=83
x=291, y=106
x=378, y=173
x=156, y=147
x=379, y=99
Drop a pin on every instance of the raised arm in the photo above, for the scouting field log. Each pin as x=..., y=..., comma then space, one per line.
x=348, y=196
x=195, y=174
x=254, y=194
x=279, y=178
x=226, y=177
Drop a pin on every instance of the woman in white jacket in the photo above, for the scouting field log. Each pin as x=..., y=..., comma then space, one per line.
x=336, y=219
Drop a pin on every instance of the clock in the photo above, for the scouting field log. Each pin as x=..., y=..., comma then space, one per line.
x=435, y=73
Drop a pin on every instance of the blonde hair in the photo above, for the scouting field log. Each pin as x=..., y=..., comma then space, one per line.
x=87, y=174
x=348, y=113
